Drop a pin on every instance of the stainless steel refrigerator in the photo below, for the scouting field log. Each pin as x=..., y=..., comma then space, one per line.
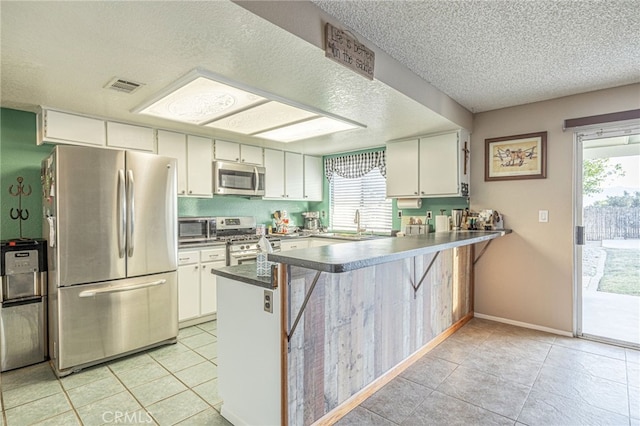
x=110, y=221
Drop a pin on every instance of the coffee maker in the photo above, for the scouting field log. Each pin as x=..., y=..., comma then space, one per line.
x=311, y=221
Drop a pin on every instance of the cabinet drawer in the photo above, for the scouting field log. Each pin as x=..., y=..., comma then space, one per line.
x=188, y=257
x=212, y=255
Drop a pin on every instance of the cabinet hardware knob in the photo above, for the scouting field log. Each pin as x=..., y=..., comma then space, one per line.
x=415, y=193
x=190, y=192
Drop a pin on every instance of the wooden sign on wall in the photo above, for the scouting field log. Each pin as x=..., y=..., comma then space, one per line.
x=348, y=51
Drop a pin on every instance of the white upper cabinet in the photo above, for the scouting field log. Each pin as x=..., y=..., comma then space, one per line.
x=171, y=144
x=313, y=178
x=233, y=151
x=127, y=136
x=227, y=151
x=199, y=167
x=251, y=154
x=285, y=175
x=61, y=127
x=402, y=168
x=274, y=173
x=431, y=166
x=194, y=155
x=294, y=176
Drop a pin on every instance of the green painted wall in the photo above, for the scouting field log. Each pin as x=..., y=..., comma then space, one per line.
x=20, y=156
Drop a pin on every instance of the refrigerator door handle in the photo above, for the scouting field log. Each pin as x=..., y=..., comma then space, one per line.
x=92, y=293
x=130, y=212
x=122, y=214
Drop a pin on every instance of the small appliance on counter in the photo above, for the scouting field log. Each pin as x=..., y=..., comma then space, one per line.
x=23, y=301
x=196, y=231
x=312, y=221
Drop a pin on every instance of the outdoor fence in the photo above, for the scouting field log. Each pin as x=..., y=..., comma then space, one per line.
x=608, y=223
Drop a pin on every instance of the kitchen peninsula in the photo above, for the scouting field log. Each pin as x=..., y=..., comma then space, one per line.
x=335, y=323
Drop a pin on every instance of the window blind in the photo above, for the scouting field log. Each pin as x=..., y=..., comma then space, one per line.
x=367, y=194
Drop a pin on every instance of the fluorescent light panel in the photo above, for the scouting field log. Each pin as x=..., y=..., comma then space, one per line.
x=198, y=98
x=262, y=117
x=200, y=101
x=307, y=129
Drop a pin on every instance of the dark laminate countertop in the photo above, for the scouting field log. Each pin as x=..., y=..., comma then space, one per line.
x=361, y=254
x=245, y=273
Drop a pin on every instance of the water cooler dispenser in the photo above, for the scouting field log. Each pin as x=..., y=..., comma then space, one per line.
x=23, y=303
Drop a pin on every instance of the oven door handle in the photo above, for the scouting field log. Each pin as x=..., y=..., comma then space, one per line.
x=92, y=293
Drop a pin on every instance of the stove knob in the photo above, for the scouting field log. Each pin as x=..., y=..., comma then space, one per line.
x=241, y=247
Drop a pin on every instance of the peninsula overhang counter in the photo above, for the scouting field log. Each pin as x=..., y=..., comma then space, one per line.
x=361, y=254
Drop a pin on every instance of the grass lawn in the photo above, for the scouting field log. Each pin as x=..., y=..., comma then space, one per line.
x=621, y=272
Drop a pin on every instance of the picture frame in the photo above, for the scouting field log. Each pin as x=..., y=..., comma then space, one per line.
x=516, y=157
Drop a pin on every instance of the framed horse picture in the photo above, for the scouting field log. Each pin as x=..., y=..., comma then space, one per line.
x=516, y=157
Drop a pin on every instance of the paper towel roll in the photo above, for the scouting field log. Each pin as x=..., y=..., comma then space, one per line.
x=409, y=203
x=442, y=223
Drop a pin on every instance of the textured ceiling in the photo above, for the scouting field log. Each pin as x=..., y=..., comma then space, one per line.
x=493, y=54
x=485, y=55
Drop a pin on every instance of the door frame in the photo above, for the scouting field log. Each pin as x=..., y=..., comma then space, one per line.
x=581, y=134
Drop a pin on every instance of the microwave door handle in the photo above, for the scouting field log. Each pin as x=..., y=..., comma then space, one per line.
x=122, y=214
x=256, y=183
x=130, y=211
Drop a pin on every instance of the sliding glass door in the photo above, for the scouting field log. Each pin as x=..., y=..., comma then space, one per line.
x=607, y=217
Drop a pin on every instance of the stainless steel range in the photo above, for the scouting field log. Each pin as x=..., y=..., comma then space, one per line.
x=242, y=242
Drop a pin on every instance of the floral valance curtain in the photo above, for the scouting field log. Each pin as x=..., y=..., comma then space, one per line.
x=355, y=165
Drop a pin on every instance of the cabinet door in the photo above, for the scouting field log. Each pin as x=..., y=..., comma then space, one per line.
x=60, y=127
x=188, y=291
x=174, y=145
x=127, y=136
x=199, y=166
x=402, y=168
x=293, y=245
x=274, y=173
x=227, y=151
x=294, y=175
x=439, y=165
x=251, y=154
x=313, y=178
x=208, y=298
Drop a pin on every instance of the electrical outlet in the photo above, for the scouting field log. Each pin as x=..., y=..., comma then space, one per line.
x=268, y=301
x=429, y=214
x=399, y=214
x=543, y=216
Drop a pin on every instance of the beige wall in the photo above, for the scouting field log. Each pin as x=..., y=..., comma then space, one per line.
x=527, y=276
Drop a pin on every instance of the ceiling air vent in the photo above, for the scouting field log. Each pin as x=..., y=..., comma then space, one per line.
x=122, y=85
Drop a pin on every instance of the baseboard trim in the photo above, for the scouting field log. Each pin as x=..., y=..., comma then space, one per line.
x=524, y=324
x=352, y=402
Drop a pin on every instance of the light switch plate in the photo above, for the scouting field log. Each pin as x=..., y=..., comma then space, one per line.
x=543, y=216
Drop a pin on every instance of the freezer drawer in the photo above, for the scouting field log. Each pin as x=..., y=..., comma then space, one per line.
x=105, y=320
x=22, y=333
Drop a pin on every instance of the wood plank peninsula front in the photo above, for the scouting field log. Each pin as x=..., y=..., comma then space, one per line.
x=345, y=320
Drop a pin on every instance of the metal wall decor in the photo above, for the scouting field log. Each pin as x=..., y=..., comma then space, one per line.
x=19, y=191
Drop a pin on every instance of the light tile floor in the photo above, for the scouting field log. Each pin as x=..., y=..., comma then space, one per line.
x=490, y=373
x=487, y=373
x=175, y=384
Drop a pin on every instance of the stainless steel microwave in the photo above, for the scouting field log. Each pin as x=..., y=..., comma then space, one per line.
x=238, y=179
x=196, y=230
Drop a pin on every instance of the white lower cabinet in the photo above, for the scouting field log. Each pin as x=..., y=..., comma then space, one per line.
x=293, y=244
x=196, y=283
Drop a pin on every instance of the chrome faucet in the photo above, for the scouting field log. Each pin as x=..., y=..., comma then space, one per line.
x=356, y=220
